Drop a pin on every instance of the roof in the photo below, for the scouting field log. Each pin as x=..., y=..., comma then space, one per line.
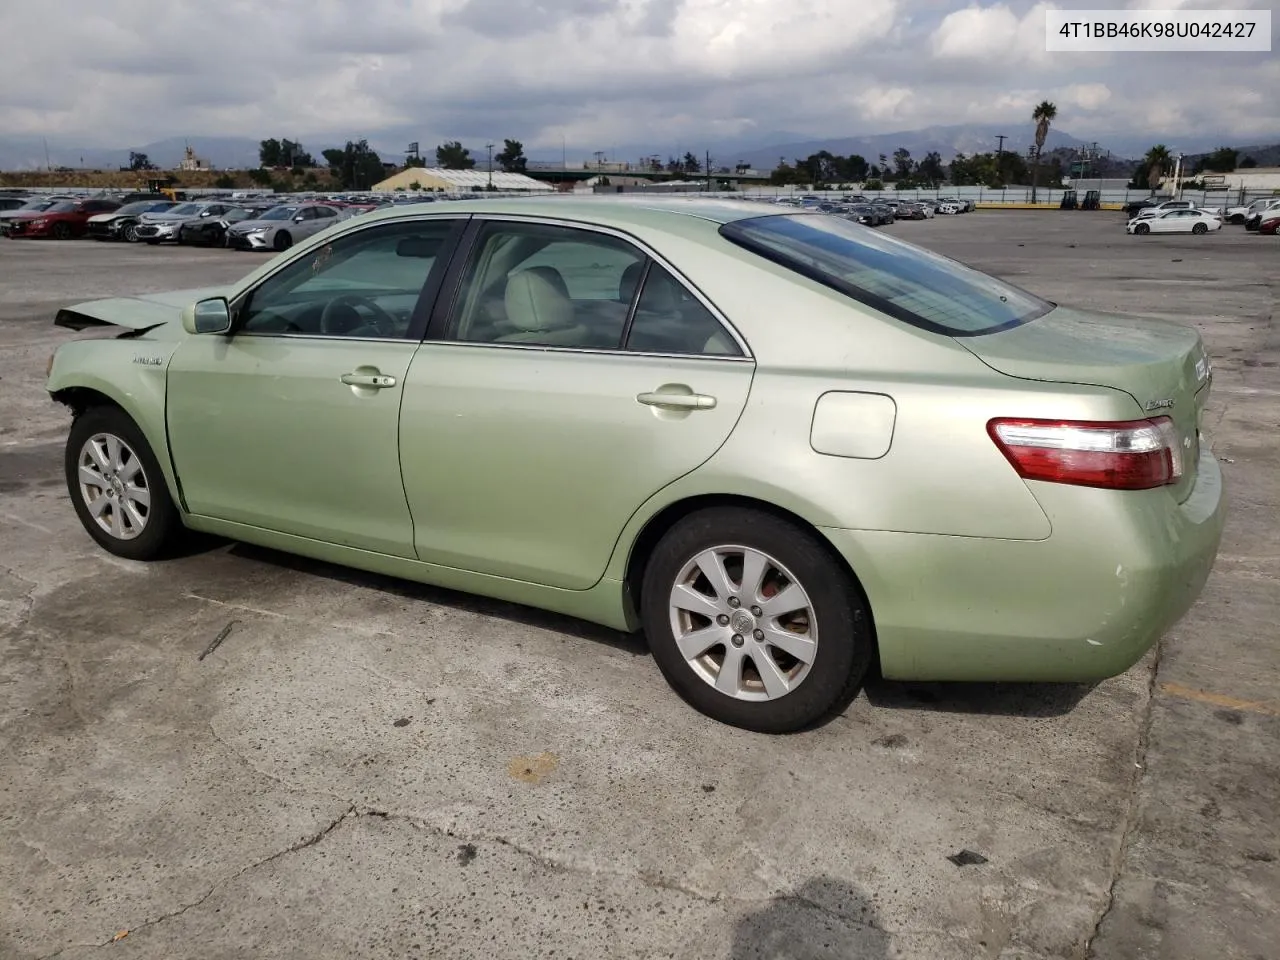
x=615, y=209
x=467, y=180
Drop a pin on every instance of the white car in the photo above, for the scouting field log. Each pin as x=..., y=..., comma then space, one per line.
x=1175, y=221
x=1162, y=208
x=1241, y=214
x=946, y=207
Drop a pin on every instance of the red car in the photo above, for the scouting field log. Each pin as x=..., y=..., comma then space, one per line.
x=1271, y=224
x=62, y=221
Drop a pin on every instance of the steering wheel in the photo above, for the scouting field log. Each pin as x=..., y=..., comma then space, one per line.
x=341, y=316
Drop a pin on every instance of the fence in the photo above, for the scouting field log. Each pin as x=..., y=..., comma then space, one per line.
x=1021, y=196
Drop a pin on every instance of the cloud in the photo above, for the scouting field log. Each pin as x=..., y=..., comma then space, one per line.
x=666, y=74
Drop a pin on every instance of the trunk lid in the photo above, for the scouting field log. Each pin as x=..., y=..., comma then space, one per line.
x=1161, y=365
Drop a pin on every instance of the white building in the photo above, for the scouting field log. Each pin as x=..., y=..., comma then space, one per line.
x=460, y=181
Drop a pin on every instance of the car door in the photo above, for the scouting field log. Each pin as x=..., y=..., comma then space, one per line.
x=574, y=377
x=291, y=422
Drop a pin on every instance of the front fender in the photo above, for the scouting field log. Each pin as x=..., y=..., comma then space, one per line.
x=129, y=373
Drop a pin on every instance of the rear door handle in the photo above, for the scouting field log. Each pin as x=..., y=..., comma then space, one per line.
x=677, y=401
x=377, y=380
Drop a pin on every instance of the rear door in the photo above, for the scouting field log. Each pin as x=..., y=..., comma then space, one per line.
x=573, y=378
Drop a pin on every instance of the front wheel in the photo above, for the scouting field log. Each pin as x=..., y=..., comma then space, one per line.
x=1142, y=229
x=283, y=241
x=62, y=231
x=117, y=487
x=753, y=620
x=130, y=233
x=1200, y=228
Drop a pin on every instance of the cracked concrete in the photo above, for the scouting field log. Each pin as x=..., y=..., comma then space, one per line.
x=333, y=780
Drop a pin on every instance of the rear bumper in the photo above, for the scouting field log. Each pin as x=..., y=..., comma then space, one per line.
x=1119, y=569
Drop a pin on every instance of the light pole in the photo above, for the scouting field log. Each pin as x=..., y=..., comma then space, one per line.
x=489, y=147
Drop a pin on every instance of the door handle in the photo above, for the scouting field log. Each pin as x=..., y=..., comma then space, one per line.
x=376, y=380
x=677, y=401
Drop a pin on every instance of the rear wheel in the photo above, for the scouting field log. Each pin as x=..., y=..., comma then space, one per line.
x=1200, y=228
x=130, y=232
x=117, y=487
x=283, y=241
x=61, y=231
x=1142, y=229
x=753, y=621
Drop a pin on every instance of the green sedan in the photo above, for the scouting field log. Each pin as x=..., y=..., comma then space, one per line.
x=785, y=446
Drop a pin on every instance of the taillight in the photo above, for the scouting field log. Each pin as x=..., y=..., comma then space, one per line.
x=1129, y=455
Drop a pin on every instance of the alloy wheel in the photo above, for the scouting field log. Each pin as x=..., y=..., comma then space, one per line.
x=131, y=233
x=114, y=486
x=743, y=623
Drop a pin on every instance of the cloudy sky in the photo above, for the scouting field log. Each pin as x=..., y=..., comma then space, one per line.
x=599, y=72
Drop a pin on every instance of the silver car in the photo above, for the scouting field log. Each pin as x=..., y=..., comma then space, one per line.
x=283, y=226
x=163, y=227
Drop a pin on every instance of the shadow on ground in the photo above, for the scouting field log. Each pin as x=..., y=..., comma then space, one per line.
x=822, y=919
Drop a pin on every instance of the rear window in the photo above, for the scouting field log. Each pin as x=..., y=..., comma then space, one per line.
x=911, y=284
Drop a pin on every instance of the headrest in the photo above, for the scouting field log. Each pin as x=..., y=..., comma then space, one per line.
x=660, y=294
x=554, y=276
x=630, y=280
x=534, y=303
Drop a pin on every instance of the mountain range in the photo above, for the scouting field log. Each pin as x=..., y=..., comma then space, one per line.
x=762, y=150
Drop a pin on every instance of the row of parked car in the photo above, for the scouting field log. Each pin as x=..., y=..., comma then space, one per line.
x=879, y=211
x=1184, y=216
x=241, y=224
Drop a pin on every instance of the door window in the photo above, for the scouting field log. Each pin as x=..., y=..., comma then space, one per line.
x=541, y=285
x=364, y=284
x=670, y=319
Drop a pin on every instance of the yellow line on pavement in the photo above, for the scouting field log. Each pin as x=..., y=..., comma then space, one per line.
x=1267, y=708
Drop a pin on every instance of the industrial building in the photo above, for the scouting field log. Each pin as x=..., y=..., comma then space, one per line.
x=439, y=179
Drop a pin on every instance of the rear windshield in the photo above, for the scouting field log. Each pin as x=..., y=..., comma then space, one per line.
x=902, y=280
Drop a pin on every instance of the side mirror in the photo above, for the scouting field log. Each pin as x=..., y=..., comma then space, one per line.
x=207, y=316
x=299, y=218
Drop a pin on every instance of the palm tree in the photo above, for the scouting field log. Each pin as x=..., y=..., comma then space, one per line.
x=1157, y=161
x=1043, y=116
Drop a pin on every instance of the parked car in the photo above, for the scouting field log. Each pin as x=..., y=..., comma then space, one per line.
x=1174, y=221
x=12, y=202
x=950, y=207
x=61, y=221
x=212, y=231
x=31, y=205
x=914, y=211
x=283, y=226
x=863, y=213
x=884, y=212
x=122, y=223
x=455, y=399
x=163, y=227
x=1269, y=225
x=1241, y=214
x=1159, y=209
x=963, y=206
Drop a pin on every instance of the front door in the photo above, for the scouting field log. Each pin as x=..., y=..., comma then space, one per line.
x=575, y=379
x=291, y=423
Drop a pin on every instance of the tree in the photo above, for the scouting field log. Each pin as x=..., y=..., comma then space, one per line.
x=269, y=153
x=224, y=182
x=783, y=174
x=454, y=156
x=1157, y=164
x=414, y=162
x=852, y=168
x=873, y=184
x=512, y=158
x=1222, y=160
x=818, y=168
x=355, y=166
x=902, y=163
x=691, y=164
x=283, y=153
x=261, y=176
x=930, y=168
x=140, y=161
x=1248, y=163
x=415, y=185
x=1043, y=115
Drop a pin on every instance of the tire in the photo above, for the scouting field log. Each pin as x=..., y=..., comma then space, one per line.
x=94, y=436
x=282, y=241
x=61, y=231
x=1200, y=228
x=835, y=626
x=1237, y=219
x=1142, y=229
x=130, y=233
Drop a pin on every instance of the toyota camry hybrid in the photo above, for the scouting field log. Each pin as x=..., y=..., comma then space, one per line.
x=787, y=447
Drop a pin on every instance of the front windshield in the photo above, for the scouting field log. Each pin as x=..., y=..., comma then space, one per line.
x=912, y=284
x=65, y=206
x=279, y=213
x=37, y=205
x=185, y=209
x=141, y=206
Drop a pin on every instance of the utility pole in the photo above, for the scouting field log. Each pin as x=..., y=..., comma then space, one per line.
x=708, y=157
x=1000, y=148
x=489, y=147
